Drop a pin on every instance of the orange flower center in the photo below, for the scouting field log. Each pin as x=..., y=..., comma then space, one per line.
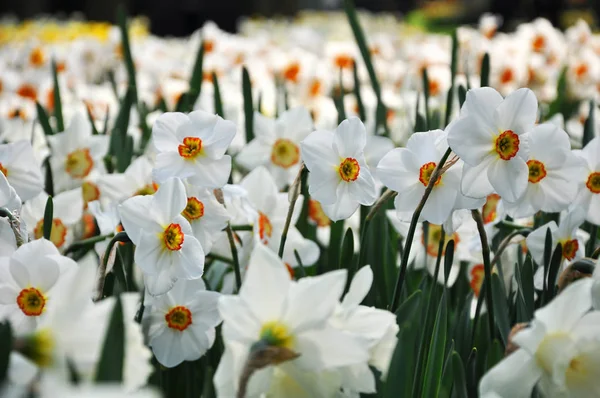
x=477, y=275
x=265, y=228
x=434, y=88
x=506, y=76
x=79, y=163
x=315, y=88
x=191, y=148
x=507, y=145
x=569, y=248
x=291, y=72
x=17, y=113
x=31, y=301
x=58, y=233
x=537, y=171
x=316, y=213
x=538, y=44
x=90, y=192
x=37, y=57
x=349, y=169
x=89, y=225
x=434, y=236
x=290, y=270
x=209, y=46
x=490, y=208
x=27, y=91
x=3, y=170
x=285, y=153
x=425, y=173
x=193, y=210
x=148, y=189
x=173, y=237
x=581, y=71
x=343, y=61
x=179, y=318
x=593, y=182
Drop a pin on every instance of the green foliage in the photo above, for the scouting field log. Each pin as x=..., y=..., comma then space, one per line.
x=112, y=358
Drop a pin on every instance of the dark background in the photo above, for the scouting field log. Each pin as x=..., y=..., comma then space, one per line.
x=181, y=17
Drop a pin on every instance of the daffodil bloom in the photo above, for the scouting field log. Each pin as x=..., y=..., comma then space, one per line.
x=68, y=209
x=551, y=186
x=408, y=171
x=588, y=197
x=193, y=146
x=558, y=352
x=339, y=177
x=10, y=201
x=566, y=234
x=75, y=153
x=166, y=248
x=490, y=137
x=19, y=166
x=181, y=323
x=27, y=279
x=277, y=144
x=272, y=310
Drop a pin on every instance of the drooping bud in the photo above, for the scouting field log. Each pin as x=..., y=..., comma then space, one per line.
x=512, y=347
x=582, y=268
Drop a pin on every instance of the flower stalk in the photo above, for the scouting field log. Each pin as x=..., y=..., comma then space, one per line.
x=487, y=268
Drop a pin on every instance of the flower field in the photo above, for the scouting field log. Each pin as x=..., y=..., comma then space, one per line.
x=338, y=205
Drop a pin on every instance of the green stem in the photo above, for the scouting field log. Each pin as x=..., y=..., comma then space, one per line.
x=234, y=255
x=242, y=227
x=85, y=242
x=219, y=258
x=120, y=237
x=411, y=231
x=487, y=268
x=295, y=190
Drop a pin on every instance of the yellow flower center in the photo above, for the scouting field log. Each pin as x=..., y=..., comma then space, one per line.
x=507, y=145
x=490, y=208
x=90, y=192
x=276, y=334
x=31, y=301
x=537, y=171
x=593, y=182
x=58, y=233
x=425, y=173
x=349, y=169
x=148, y=189
x=285, y=153
x=569, y=248
x=179, y=318
x=434, y=236
x=193, y=210
x=477, y=275
x=173, y=237
x=265, y=228
x=316, y=213
x=191, y=148
x=79, y=163
x=89, y=225
x=3, y=170
x=39, y=347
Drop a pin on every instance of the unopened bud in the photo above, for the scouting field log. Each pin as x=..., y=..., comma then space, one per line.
x=512, y=347
x=582, y=268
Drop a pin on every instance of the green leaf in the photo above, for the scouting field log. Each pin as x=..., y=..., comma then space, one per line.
x=118, y=146
x=500, y=308
x=407, y=310
x=437, y=348
x=460, y=382
x=196, y=78
x=48, y=217
x=420, y=122
x=449, y=103
x=359, y=36
x=547, y=259
x=335, y=243
x=300, y=272
x=43, y=119
x=128, y=58
x=361, y=108
x=494, y=355
x=91, y=119
x=248, y=106
x=553, y=273
x=126, y=154
x=338, y=99
x=462, y=94
x=112, y=358
x=347, y=252
x=448, y=259
x=590, y=125
x=6, y=346
x=217, y=98
x=425, y=78
x=527, y=286
x=454, y=57
x=48, y=180
x=60, y=125
x=485, y=70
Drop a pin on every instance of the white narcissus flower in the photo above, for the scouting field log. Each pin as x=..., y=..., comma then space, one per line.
x=193, y=146
x=19, y=166
x=490, y=137
x=272, y=208
x=588, y=197
x=339, y=177
x=166, y=248
x=273, y=310
x=75, y=153
x=68, y=209
x=408, y=170
x=206, y=216
x=10, y=201
x=559, y=352
x=27, y=279
x=551, y=186
x=277, y=144
x=181, y=323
